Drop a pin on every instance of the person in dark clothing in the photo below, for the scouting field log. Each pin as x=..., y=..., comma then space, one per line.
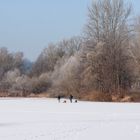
x=71, y=97
x=59, y=97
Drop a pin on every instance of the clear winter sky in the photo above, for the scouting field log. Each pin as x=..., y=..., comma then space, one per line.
x=29, y=25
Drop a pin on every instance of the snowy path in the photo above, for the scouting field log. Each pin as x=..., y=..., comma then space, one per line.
x=46, y=119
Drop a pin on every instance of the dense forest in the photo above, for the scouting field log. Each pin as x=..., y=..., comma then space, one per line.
x=103, y=63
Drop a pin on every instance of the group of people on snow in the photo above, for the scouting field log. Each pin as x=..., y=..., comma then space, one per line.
x=70, y=98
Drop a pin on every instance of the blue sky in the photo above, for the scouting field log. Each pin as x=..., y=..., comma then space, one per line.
x=29, y=25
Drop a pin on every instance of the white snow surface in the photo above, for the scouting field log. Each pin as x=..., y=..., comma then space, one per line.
x=46, y=119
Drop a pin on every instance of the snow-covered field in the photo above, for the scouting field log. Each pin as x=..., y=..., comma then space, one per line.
x=46, y=119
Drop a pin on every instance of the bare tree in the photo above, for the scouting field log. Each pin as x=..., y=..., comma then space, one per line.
x=108, y=25
x=70, y=46
x=51, y=55
x=135, y=53
x=107, y=20
x=46, y=60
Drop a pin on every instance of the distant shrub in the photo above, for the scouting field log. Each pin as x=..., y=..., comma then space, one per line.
x=97, y=96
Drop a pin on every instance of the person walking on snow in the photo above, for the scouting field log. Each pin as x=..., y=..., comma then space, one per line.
x=71, y=97
x=59, y=97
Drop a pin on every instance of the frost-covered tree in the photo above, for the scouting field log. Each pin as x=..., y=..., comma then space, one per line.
x=109, y=62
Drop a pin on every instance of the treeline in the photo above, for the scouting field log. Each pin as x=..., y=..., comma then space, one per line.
x=106, y=59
